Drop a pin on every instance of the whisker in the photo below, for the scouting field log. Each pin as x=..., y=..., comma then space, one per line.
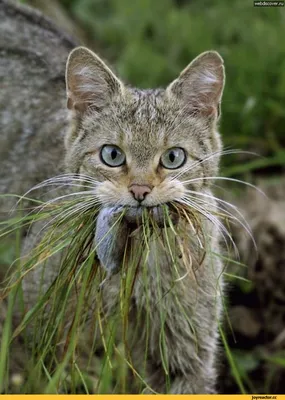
x=81, y=207
x=51, y=202
x=226, y=179
x=215, y=221
x=56, y=180
x=60, y=184
x=56, y=199
x=243, y=223
x=63, y=179
x=217, y=199
x=212, y=155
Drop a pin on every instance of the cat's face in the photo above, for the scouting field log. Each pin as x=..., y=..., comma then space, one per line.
x=142, y=145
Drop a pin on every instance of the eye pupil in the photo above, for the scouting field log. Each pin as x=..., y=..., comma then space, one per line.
x=172, y=156
x=113, y=154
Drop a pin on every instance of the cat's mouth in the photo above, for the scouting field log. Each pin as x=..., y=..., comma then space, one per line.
x=160, y=214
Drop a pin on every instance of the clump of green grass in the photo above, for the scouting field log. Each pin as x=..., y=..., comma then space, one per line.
x=73, y=309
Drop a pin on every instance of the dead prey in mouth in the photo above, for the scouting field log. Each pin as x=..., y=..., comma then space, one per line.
x=115, y=224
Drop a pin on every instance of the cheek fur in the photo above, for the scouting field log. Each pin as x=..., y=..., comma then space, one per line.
x=165, y=192
x=110, y=194
x=193, y=177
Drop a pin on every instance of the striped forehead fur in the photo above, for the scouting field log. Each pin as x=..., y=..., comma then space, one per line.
x=144, y=123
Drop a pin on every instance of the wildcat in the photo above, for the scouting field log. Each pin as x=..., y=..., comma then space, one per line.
x=144, y=148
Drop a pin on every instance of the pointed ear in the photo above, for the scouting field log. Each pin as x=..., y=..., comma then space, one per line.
x=200, y=85
x=89, y=82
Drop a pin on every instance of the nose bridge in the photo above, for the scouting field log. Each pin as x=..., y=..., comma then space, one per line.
x=141, y=179
x=141, y=175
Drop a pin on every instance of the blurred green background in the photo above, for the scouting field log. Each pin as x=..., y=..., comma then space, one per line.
x=148, y=42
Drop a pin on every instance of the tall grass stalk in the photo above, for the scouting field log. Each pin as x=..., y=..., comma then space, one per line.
x=74, y=308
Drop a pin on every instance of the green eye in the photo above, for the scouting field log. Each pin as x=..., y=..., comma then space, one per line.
x=112, y=156
x=173, y=158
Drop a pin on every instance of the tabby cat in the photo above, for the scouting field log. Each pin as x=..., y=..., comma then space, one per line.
x=143, y=149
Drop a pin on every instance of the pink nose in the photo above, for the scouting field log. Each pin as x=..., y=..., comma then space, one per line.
x=139, y=191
